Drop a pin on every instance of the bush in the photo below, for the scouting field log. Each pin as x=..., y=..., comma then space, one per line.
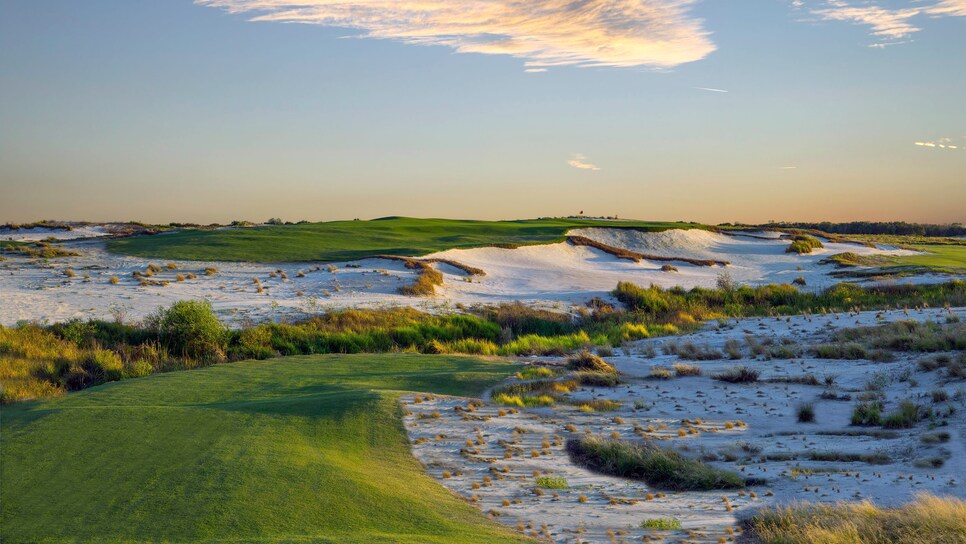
x=191, y=328
x=659, y=467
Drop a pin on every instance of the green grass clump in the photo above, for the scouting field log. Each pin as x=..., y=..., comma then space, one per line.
x=737, y=374
x=926, y=520
x=659, y=467
x=806, y=413
x=524, y=401
x=914, y=336
x=904, y=417
x=426, y=282
x=803, y=244
x=312, y=446
x=867, y=413
x=552, y=482
x=662, y=524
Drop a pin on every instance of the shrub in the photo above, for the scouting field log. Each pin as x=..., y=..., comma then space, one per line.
x=737, y=374
x=668, y=268
x=799, y=281
x=210, y=271
x=191, y=328
x=658, y=467
x=113, y=280
x=660, y=373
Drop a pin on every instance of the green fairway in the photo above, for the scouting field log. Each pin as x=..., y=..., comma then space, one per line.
x=351, y=240
x=938, y=255
x=297, y=449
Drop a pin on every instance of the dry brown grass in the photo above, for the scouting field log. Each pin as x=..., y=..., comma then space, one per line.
x=926, y=520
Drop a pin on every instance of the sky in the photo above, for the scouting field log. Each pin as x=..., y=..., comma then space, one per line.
x=705, y=110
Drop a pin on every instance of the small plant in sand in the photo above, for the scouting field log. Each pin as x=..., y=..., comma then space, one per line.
x=113, y=280
x=552, y=482
x=806, y=413
x=172, y=266
x=799, y=281
x=737, y=374
x=661, y=524
x=660, y=373
x=733, y=349
x=803, y=244
x=210, y=271
x=904, y=417
x=179, y=277
x=867, y=413
x=69, y=273
x=586, y=360
x=683, y=369
x=668, y=268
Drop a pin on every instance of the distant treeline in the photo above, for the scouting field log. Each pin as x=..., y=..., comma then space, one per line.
x=869, y=227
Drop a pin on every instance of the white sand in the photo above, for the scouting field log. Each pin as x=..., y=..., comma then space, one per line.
x=766, y=408
x=554, y=276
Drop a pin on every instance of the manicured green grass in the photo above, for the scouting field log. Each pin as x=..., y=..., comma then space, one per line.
x=938, y=255
x=352, y=240
x=297, y=449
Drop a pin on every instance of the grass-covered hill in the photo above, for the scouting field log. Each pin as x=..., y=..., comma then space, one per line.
x=352, y=240
x=297, y=449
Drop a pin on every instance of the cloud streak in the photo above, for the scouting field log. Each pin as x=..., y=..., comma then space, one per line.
x=580, y=162
x=890, y=26
x=546, y=33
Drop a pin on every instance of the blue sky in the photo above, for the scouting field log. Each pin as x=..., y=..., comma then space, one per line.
x=183, y=111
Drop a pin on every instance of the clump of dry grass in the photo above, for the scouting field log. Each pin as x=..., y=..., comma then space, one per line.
x=926, y=520
x=587, y=361
x=426, y=282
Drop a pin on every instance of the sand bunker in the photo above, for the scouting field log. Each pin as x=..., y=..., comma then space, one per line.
x=493, y=456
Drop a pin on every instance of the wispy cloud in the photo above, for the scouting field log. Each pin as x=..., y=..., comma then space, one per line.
x=943, y=143
x=711, y=89
x=890, y=26
x=580, y=161
x=619, y=33
x=788, y=168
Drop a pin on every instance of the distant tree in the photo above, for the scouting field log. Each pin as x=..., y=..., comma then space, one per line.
x=275, y=221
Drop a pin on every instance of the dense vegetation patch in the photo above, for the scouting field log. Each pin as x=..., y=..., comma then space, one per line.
x=926, y=520
x=659, y=467
x=803, y=243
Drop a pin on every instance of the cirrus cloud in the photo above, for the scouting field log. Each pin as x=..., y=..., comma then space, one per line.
x=890, y=25
x=616, y=33
x=580, y=162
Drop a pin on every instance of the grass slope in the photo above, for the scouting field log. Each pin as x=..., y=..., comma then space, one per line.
x=297, y=449
x=352, y=240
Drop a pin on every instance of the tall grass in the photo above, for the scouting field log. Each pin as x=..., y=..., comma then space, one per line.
x=659, y=467
x=926, y=520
